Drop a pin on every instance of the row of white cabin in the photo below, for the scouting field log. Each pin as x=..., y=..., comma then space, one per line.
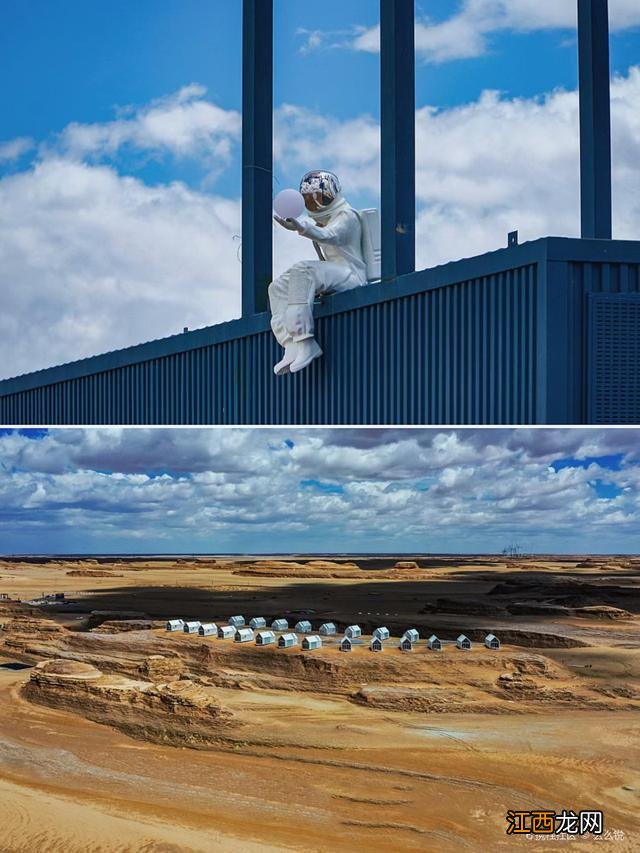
x=257, y=623
x=244, y=634
x=411, y=637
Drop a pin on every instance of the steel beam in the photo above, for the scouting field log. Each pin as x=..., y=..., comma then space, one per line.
x=595, y=118
x=397, y=117
x=257, y=153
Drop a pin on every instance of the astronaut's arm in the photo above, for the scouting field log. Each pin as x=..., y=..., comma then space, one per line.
x=336, y=234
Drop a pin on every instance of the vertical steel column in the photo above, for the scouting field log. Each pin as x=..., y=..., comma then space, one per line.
x=397, y=117
x=595, y=118
x=257, y=153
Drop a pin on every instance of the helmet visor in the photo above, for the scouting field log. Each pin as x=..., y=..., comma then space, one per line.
x=322, y=187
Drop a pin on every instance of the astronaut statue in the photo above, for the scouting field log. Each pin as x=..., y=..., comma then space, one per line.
x=335, y=230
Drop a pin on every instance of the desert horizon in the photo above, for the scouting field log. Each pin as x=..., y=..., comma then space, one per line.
x=559, y=556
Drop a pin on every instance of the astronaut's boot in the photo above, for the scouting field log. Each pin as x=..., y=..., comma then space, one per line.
x=290, y=353
x=308, y=349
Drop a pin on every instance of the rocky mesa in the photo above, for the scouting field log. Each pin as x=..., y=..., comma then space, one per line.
x=177, y=712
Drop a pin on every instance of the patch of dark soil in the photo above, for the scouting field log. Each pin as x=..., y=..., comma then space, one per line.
x=469, y=607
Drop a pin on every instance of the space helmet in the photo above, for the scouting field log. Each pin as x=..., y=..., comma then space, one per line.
x=324, y=187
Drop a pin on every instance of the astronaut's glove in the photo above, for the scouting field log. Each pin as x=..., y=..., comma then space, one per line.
x=290, y=224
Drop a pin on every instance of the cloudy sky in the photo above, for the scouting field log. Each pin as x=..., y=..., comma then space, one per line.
x=120, y=146
x=296, y=490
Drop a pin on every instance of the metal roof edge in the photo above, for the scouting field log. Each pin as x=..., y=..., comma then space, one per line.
x=596, y=251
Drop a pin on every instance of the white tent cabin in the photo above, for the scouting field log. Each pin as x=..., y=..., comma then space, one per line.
x=208, y=629
x=287, y=641
x=244, y=635
x=381, y=633
x=236, y=621
x=376, y=644
x=191, y=627
x=353, y=631
x=406, y=644
x=311, y=641
x=345, y=644
x=257, y=622
x=226, y=632
x=175, y=625
x=491, y=641
x=280, y=625
x=463, y=643
x=265, y=638
x=327, y=629
x=303, y=627
x=412, y=634
x=434, y=644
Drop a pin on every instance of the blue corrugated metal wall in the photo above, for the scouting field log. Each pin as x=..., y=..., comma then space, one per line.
x=499, y=339
x=614, y=328
x=577, y=271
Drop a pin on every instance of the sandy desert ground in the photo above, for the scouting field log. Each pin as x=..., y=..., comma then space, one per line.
x=119, y=736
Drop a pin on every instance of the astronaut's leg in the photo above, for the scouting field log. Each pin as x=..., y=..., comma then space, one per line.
x=278, y=302
x=303, y=286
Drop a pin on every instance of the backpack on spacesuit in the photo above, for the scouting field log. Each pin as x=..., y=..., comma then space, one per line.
x=371, y=242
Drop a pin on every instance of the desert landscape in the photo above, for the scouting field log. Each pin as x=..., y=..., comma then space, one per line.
x=116, y=734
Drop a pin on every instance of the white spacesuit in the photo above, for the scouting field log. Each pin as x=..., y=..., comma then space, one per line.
x=337, y=236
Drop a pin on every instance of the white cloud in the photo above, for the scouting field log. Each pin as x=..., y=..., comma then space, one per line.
x=312, y=39
x=317, y=39
x=355, y=486
x=183, y=124
x=351, y=147
x=466, y=33
x=92, y=261
x=15, y=148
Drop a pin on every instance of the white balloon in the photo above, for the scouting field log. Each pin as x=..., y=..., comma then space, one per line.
x=289, y=204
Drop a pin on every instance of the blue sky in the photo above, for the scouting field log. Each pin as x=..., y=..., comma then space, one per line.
x=300, y=490
x=120, y=148
x=75, y=61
